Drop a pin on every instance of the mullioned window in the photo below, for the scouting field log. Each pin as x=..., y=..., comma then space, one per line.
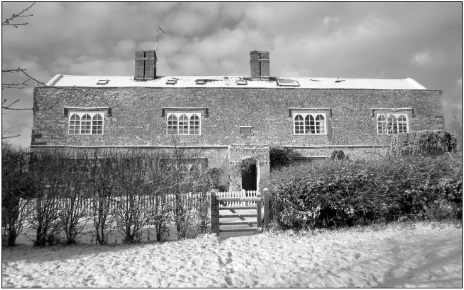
x=184, y=123
x=388, y=124
x=310, y=124
x=86, y=123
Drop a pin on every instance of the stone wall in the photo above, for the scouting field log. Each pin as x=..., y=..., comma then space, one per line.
x=136, y=119
x=260, y=153
x=136, y=114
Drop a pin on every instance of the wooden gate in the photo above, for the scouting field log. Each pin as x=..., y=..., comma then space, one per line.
x=235, y=204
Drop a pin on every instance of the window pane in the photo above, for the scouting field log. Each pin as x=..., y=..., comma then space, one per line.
x=392, y=125
x=183, y=124
x=74, y=124
x=402, y=124
x=86, y=124
x=312, y=125
x=172, y=124
x=320, y=127
x=381, y=124
x=97, y=124
x=299, y=124
x=307, y=130
x=194, y=125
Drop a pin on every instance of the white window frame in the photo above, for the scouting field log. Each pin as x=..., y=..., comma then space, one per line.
x=304, y=115
x=397, y=116
x=189, y=114
x=91, y=114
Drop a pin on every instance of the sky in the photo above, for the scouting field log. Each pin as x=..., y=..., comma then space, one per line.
x=420, y=40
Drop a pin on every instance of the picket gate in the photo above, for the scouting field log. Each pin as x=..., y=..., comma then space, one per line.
x=239, y=201
x=238, y=194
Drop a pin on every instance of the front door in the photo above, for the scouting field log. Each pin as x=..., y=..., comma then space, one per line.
x=249, y=177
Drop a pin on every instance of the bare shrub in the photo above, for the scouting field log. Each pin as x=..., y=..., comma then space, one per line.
x=160, y=205
x=17, y=190
x=73, y=213
x=131, y=170
x=100, y=189
x=187, y=179
x=47, y=171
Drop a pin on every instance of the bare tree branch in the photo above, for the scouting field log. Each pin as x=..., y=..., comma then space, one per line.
x=12, y=70
x=13, y=21
x=19, y=85
x=16, y=25
x=4, y=101
x=19, y=15
x=8, y=137
x=17, y=109
x=8, y=107
x=31, y=78
x=16, y=85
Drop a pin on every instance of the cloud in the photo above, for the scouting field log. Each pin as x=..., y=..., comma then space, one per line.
x=330, y=21
x=422, y=58
x=422, y=40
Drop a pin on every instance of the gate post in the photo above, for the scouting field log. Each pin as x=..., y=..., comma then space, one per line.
x=258, y=209
x=266, y=208
x=214, y=214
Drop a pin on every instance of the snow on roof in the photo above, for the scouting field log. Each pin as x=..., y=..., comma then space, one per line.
x=231, y=82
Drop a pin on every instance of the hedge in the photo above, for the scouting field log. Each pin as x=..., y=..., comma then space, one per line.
x=424, y=143
x=352, y=192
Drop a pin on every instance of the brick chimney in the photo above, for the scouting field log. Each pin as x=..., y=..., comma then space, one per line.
x=259, y=63
x=145, y=65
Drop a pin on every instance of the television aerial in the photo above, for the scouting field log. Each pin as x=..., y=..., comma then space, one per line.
x=158, y=29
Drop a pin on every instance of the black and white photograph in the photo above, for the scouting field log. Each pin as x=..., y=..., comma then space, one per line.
x=232, y=144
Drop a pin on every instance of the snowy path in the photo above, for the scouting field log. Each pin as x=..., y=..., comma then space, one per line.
x=426, y=256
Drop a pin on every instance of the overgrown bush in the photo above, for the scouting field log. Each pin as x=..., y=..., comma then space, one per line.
x=218, y=180
x=354, y=192
x=338, y=155
x=279, y=157
x=424, y=143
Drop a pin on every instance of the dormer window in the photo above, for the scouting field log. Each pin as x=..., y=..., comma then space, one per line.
x=287, y=83
x=171, y=81
x=103, y=82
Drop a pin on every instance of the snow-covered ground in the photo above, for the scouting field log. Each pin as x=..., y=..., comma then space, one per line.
x=419, y=255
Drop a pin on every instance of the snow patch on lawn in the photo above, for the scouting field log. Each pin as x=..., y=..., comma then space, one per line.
x=418, y=255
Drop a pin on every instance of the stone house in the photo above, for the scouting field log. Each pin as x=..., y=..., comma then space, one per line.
x=229, y=119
